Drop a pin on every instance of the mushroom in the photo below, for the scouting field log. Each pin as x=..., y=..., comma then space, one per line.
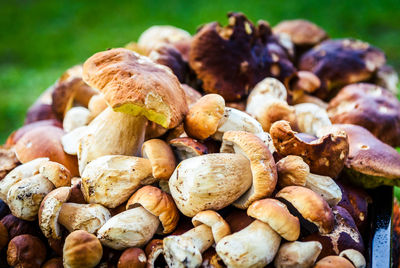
x=132, y=258
x=310, y=205
x=333, y=262
x=371, y=107
x=297, y=254
x=262, y=164
x=70, y=141
x=307, y=98
x=76, y=117
x=311, y=118
x=136, y=226
x=40, y=112
x=388, y=78
x=53, y=263
x=110, y=180
x=56, y=173
x=8, y=160
x=161, y=157
x=154, y=251
x=81, y=249
x=3, y=236
x=325, y=156
x=135, y=89
x=26, y=251
x=292, y=170
x=370, y=163
x=186, y=250
x=96, y=105
x=211, y=181
x=16, y=226
x=231, y=60
x=341, y=62
x=186, y=147
x=355, y=257
x=257, y=244
x=192, y=95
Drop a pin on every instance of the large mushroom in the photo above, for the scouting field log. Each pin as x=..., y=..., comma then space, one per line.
x=136, y=90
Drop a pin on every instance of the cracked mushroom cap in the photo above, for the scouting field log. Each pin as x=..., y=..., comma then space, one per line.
x=341, y=62
x=231, y=60
x=161, y=157
x=262, y=164
x=277, y=216
x=370, y=162
x=325, y=156
x=158, y=203
x=219, y=227
x=133, y=84
x=310, y=205
x=50, y=210
x=371, y=107
x=301, y=32
x=45, y=141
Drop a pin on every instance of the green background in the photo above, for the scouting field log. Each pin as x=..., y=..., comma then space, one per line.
x=41, y=39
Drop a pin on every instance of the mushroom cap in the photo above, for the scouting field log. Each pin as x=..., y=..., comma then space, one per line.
x=333, y=262
x=268, y=88
x=81, y=249
x=325, y=156
x=76, y=117
x=292, y=170
x=224, y=57
x=262, y=164
x=370, y=162
x=186, y=147
x=310, y=205
x=45, y=141
x=132, y=258
x=8, y=160
x=40, y=112
x=388, y=78
x=56, y=173
x=53, y=263
x=277, y=216
x=158, y=203
x=369, y=106
x=50, y=210
x=161, y=157
x=26, y=251
x=301, y=32
x=341, y=62
x=356, y=258
x=133, y=84
x=310, y=118
x=204, y=116
x=219, y=227
x=297, y=254
x=211, y=181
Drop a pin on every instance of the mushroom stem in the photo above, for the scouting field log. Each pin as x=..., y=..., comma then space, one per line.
x=111, y=133
x=201, y=237
x=254, y=246
x=325, y=187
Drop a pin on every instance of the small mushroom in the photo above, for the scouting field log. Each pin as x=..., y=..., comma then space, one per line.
x=56, y=173
x=297, y=254
x=311, y=118
x=132, y=258
x=154, y=252
x=310, y=205
x=262, y=165
x=76, y=117
x=96, y=105
x=211, y=181
x=325, y=156
x=292, y=170
x=356, y=258
x=124, y=173
x=81, y=249
x=333, y=262
x=161, y=157
x=186, y=147
x=26, y=251
x=186, y=250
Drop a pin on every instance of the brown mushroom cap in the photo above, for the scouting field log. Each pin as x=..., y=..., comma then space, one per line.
x=301, y=32
x=26, y=251
x=161, y=157
x=219, y=227
x=370, y=162
x=333, y=262
x=45, y=141
x=277, y=216
x=132, y=258
x=56, y=173
x=310, y=205
x=39, y=112
x=292, y=170
x=158, y=203
x=224, y=57
x=123, y=77
x=53, y=263
x=369, y=106
x=341, y=62
x=325, y=156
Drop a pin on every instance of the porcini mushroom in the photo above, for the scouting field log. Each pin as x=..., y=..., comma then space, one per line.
x=132, y=258
x=76, y=117
x=311, y=118
x=26, y=251
x=161, y=157
x=333, y=262
x=186, y=250
x=186, y=147
x=297, y=254
x=356, y=258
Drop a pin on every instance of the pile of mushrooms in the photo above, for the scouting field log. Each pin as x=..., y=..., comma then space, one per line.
x=240, y=146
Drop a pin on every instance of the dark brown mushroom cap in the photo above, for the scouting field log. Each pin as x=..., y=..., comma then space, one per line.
x=301, y=32
x=345, y=235
x=231, y=60
x=341, y=62
x=39, y=112
x=370, y=162
x=369, y=106
x=325, y=156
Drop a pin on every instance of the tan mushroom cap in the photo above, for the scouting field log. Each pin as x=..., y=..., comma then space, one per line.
x=262, y=164
x=204, y=116
x=55, y=172
x=277, y=216
x=301, y=32
x=276, y=110
x=161, y=157
x=158, y=203
x=219, y=227
x=325, y=156
x=135, y=85
x=132, y=258
x=333, y=262
x=45, y=141
x=292, y=170
x=310, y=205
x=49, y=211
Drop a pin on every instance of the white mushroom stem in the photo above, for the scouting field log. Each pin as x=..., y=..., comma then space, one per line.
x=311, y=118
x=111, y=133
x=185, y=250
x=325, y=187
x=254, y=246
x=88, y=217
x=298, y=254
